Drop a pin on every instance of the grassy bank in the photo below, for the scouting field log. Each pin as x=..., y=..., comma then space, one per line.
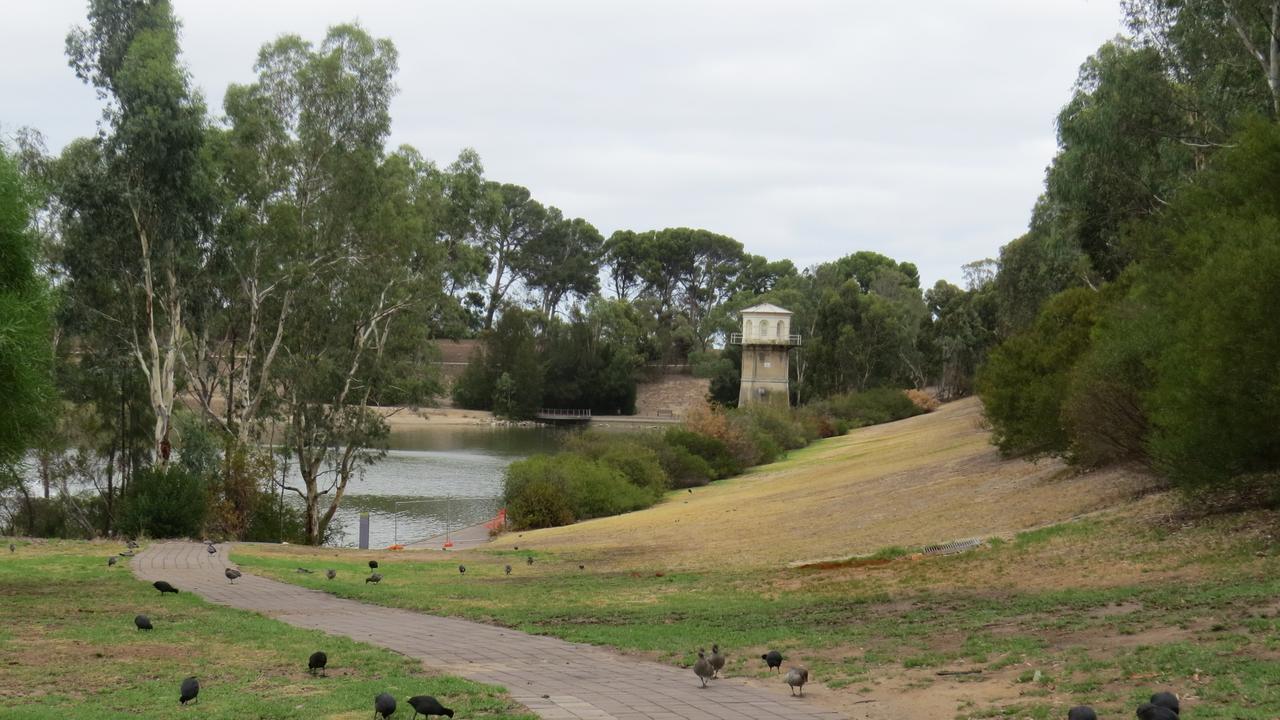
x=69, y=649
x=1101, y=611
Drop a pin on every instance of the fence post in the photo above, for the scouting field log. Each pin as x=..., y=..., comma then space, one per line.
x=364, y=531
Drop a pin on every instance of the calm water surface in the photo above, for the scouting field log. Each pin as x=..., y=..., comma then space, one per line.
x=435, y=478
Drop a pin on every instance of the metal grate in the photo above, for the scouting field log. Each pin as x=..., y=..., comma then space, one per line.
x=955, y=546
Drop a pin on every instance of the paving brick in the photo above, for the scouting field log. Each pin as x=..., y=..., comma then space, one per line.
x=582, y=682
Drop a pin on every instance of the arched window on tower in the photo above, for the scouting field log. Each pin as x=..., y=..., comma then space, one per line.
x=779, y=328
x=746, y=329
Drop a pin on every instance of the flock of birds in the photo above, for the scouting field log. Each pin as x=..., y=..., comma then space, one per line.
x=1162, y=706
x=317, y=663
x=708, y=668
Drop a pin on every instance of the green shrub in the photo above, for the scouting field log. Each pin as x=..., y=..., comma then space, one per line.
x=638, y=464
x=714, y=452
x=872, y=407
x=550, y=490
x=683, y=468
x=1025, y=380
x=163, y=503
x=779, y=423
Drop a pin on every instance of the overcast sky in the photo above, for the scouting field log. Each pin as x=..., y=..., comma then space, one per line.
x=806, y=130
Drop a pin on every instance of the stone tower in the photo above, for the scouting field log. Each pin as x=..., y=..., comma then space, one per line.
x=766, y=341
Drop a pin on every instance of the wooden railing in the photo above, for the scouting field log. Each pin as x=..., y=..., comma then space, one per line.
x=556, y=413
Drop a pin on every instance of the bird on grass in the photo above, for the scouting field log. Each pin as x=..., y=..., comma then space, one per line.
x=529, y=560
x=212, y=550
x=330, y=573
x=231, y=574
x=375, y=578
x=127, y=553
x=373, y=564
x=12, y=547
x=716, y=660
x=131, y=545
x=773, y=659
x=1167, y=700
x=384, y=705
x=317, y=661
x=582, y=567
x=142, y=622
x=507, y=569
x=796, y=678
x=702, y=668
x=1148, y=711
x=190, y=689
x=111, y=561
x=1082, y=712
x=303, y=571
x=164, y=587
x=428, y=706
x=462, y=569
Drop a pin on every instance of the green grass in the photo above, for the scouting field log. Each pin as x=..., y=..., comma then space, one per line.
x=68, y=649
x=909, y=618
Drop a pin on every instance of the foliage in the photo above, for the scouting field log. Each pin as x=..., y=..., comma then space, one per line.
x=164, y=503
x=1025, y=381
x=549, y=490
x=710, y=449
x=25, y=345
x=872, y=407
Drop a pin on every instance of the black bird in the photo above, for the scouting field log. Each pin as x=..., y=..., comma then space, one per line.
x=773, y=659
x=375, y=578
x=126, y=553
x=12, y=547
x=164, y=587
x=212, y=550
x=462, y=569
x=231, y=574
x=330, y=573
x=1166, y=699
x=1082, y=712
x=131, y=545
x=142, y=622
x=190, y=689
x=384, y=705
x=111, y=561
x=317, y=661
x=582, y=567
x=507, y=569
x=529, y=560
x=1147, y=711
x=517, y=547
x=428, y=706
x=373, y=564
x=303, y=571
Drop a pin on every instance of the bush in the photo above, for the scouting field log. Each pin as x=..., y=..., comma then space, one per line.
x=778, y=423
x=1024, y=383
x=872, y=407
x=550, y=490
x=923, y=400
x=714, y=423
x=163, y=503
x=713, y=451
x=683, y=468
x=639, y=465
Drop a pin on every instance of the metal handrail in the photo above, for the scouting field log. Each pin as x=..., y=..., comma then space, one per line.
x=738, y=339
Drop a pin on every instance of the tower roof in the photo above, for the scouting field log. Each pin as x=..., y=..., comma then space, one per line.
x=767, y=308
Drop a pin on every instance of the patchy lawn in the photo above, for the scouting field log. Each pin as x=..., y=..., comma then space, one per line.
x=69, y=649
x=1100, y=611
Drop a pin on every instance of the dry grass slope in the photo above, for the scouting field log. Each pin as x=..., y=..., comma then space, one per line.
x=931, y=478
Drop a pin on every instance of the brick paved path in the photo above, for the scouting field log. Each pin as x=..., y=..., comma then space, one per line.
x=554, y=678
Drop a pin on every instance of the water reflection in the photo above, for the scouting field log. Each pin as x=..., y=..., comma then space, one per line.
x=435, y=479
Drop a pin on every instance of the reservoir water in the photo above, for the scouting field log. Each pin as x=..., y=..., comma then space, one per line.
x=433, y=479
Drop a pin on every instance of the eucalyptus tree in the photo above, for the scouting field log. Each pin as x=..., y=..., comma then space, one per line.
x=510, y=220
x=144, y=220
x=333, y=247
